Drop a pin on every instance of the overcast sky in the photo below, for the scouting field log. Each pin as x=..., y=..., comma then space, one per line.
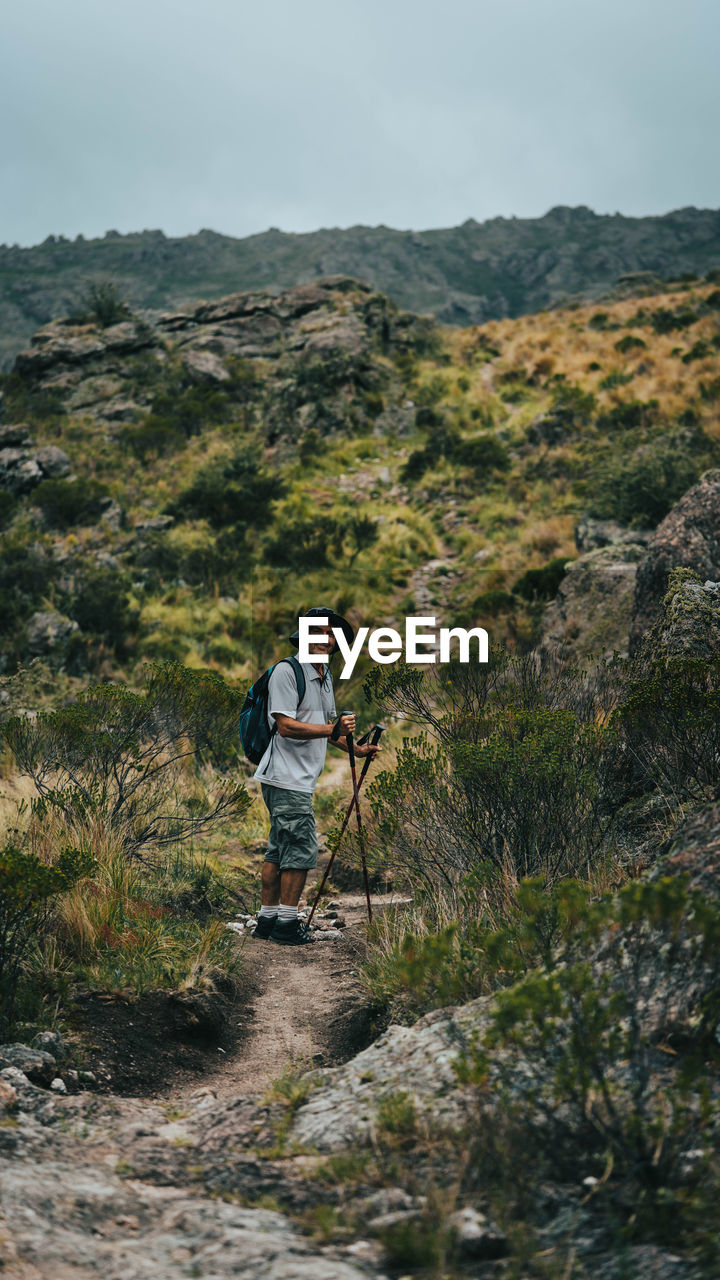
x=183, y=114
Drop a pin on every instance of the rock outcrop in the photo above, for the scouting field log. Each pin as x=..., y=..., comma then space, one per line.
x=591, y=614
x=688, y=537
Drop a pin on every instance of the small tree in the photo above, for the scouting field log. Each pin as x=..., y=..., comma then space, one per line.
x=132, y=762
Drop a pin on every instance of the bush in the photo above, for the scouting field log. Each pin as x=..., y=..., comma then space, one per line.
x=665, y=321
x=27, y=576
x=8, y=507
x=27, y=886
x=101, y=607
x=308, y=544
x=239, y=492
x=155, y=438
x=670, y=719
x=104, y=305
x=131, y=762
x=65, y=503
x=629, y=343
x=583, y=1035
x=509, y=780
x=615, y=378
x=640, y=490
x=630, y=415
x=543, y=583
x=571, y=405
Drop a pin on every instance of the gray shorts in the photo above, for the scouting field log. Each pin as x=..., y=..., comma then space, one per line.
x=292, y=842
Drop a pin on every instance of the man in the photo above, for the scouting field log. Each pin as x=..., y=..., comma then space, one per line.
x=288, y=772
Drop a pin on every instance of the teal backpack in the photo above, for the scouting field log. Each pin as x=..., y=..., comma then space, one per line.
x=255, y=733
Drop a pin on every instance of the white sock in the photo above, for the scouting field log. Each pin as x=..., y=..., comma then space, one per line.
x=287, y=913
x=267, y=912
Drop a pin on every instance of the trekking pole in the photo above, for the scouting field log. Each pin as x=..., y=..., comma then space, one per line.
x=361, y=838
x=373, y=735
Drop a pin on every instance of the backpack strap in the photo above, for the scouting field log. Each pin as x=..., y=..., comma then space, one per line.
x=299, y=676
x=301, y=686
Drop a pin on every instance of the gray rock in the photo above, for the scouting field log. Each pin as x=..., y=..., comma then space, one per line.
x=591, y=534
x=112, y=515
x=49, y=1041
x=58, y=1085
x=8, y=1096
x=94, y=1223
x=592, y=612
x=19, y=471
x=15, y=1077
x=14, y=433
x=689, y=538
x=476, y=1237
x=47, y=632
x=52, y=461
x=154, y=523
x=205, y=366
x=39, y=1067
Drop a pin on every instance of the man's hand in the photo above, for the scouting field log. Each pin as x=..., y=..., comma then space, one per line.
x=347, y=725
x=367, y=750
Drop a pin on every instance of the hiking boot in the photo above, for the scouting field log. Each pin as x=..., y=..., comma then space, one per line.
x=290, y=933
x=264, y=926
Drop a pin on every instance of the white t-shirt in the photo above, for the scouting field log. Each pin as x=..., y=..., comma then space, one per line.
x=291, y=763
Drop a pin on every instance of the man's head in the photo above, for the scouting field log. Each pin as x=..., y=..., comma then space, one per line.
x=327, y=648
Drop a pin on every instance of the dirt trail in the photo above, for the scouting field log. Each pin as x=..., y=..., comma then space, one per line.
x=305, y=1009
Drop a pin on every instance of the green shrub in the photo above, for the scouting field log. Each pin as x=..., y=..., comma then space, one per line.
x=543, y=583
x=104, y=305
x=629, y=343
x=493, y=602
x=630, y=415
x=510, y=780
x=239, y=492
x=313, y=543
x=154, y=438
x=581, y=1034
x=27, y=887
x=615, y=378
x=665, y=321
x=699, y=351
x=27, y=576
x=670, y=718
x=124, y=759
x=65, y=503
x=101, y=607
x=481, y=453
x=572, y=405
x=640, y=490
x=8, y=507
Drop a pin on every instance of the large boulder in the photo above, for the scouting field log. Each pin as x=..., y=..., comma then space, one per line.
x=688, y=537
x=592, y=611
x=49, y=632
x=22, y=466
x=38, y=1065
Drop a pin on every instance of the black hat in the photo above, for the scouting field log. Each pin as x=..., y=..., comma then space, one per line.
x=334, y=620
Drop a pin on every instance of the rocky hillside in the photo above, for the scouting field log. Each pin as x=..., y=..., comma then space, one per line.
x=464, y=275
x=173, y=489
x=536, y=1002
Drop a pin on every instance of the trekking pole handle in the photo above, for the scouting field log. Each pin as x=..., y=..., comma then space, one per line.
x=336, y=727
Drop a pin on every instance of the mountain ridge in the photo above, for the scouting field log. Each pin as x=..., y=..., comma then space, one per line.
x=478, y=271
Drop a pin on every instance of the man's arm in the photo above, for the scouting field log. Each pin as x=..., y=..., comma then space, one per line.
x=300, y=731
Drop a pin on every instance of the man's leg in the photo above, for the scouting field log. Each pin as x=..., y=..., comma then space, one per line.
x=270, y=876
x=270, y=884
x=292, y=883
x=298, y=850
